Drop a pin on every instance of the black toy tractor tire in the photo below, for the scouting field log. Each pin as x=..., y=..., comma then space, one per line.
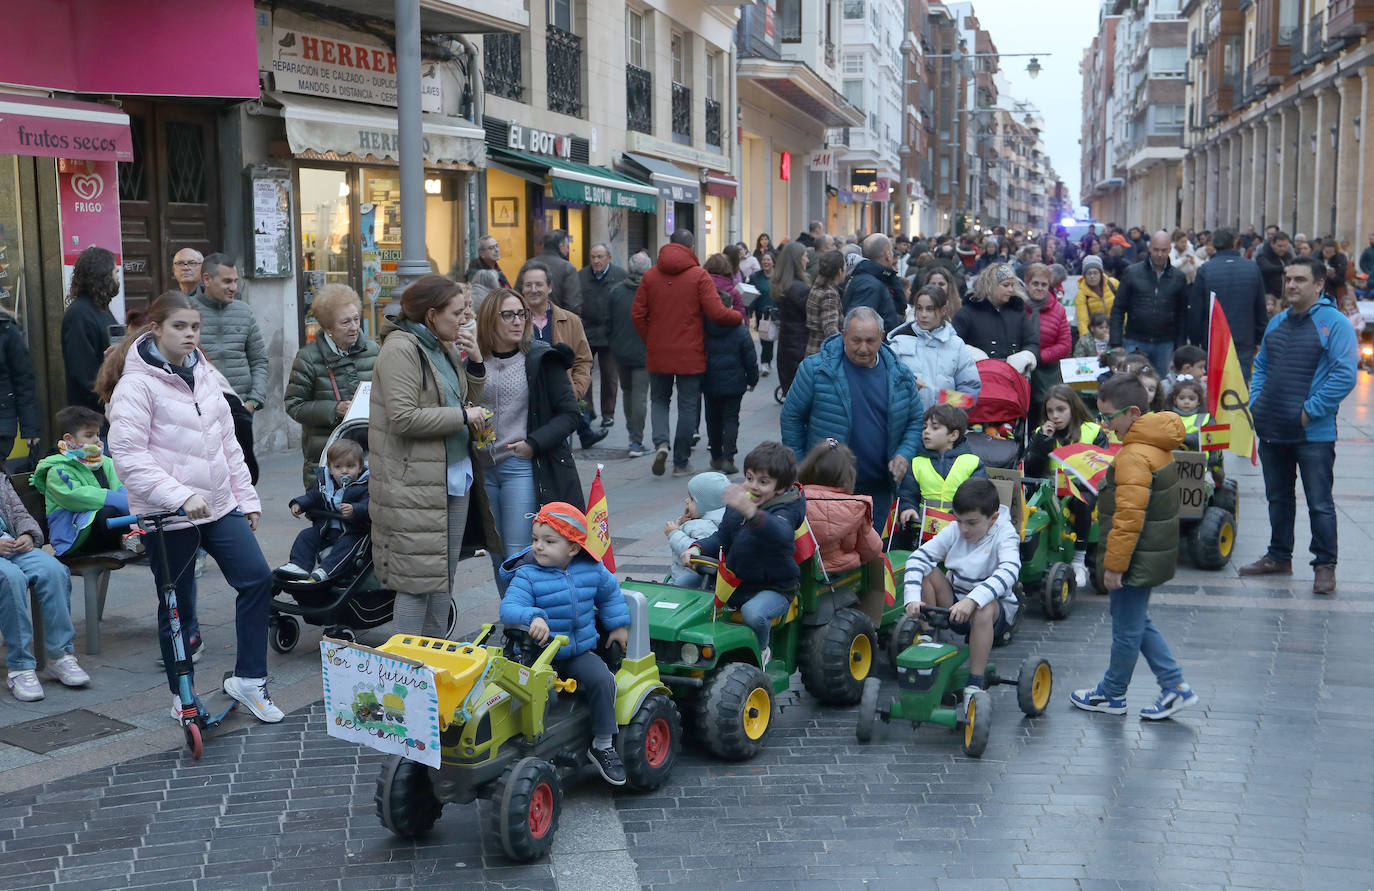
x=902, y=636
x=406, y=803
x=1059, y=591
x=283, y=633
x=529, y=798
x=1227, y=496
x=868, y=709
x=735, y=711
x=1213, y=539
x=978, y=725
x=649, y=744
x=837, y=657
x=1034, y=686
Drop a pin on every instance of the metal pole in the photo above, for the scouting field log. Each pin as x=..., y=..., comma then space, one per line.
x=413, y=263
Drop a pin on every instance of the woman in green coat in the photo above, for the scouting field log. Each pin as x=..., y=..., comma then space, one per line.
x=327, y=371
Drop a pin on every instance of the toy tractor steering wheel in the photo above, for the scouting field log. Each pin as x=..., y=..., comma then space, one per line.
x=936, y=616
x=519, y=647
x=703, y=565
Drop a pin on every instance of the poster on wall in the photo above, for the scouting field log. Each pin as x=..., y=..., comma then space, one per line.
x=88, y=215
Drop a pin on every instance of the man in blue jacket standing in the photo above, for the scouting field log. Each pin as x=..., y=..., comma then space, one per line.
x=856, y=391
x=1306, y=365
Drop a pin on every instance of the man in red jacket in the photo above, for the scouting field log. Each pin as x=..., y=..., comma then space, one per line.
x=673, y=299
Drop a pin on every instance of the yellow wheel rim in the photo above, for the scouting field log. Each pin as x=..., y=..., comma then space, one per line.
x=1064, y=592
x=756, y=713
x=1040, y=686
x=1225, y=539
x=860, y=656
x=968, y=723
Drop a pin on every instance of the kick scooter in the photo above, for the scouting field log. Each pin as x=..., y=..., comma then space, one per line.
x=195, y=719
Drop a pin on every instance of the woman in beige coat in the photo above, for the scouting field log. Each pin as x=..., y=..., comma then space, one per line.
x=418, y=434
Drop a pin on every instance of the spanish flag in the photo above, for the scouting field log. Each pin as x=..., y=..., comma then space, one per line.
x=1228, y=396
x=955, y=398
x=889, y=583
x=1215, y=437
x=599, y=524
x=890, y=524
x=803, y=542
x=932, y=521
x=726, y=582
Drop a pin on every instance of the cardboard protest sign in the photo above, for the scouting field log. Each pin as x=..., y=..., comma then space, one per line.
x=380, y=701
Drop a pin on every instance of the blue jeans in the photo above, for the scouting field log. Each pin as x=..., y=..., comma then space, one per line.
x=1133, y=636
x=759, y=612
x=230, y=542
x=52, y=585
x=1161, y=353
x=510, y=492
x=595, y=686
x=682, y=577
x=1281, y=463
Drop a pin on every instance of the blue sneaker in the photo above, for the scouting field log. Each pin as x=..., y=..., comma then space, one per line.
x=1094, y=700
x=1172, y=700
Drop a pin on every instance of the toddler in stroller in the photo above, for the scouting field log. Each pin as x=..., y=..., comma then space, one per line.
x=338, y=510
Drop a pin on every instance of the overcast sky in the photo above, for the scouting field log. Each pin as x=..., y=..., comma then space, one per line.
x=1064, y=28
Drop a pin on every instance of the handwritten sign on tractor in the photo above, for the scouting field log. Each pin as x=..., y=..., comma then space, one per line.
x=376, y=700
x=1192, y=483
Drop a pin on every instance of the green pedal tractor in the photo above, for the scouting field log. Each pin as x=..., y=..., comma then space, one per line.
x=932, y=678
x=506, y=736
x=712, y=663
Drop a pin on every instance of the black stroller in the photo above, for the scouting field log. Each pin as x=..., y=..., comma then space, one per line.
x=349, y=599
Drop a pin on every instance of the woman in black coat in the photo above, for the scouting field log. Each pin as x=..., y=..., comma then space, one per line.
x=86, y=324
x=790, y=288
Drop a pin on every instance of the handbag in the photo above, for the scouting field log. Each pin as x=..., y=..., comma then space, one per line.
x=768, y=330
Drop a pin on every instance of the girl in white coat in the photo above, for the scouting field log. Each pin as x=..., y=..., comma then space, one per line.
x=172, y=441
x=934, y=353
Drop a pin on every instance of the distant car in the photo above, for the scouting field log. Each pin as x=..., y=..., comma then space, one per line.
x=1084, y=227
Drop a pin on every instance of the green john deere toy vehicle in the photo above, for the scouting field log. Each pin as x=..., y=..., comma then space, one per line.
x=1047, y=545
x=932, y=678
x=506, y=739
x=711, y=661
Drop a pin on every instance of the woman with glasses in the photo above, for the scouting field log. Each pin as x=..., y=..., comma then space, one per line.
x=528, y=463
x=421, y=466
x=326, y=373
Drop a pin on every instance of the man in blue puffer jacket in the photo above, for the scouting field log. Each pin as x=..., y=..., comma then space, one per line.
x=1305, y=366
x=856, y=391
x=555, y=586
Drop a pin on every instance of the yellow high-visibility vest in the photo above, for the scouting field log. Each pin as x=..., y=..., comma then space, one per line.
x=938, y=491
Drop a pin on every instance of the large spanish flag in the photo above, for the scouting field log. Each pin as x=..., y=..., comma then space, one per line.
x=1228, y=396
x=599, y=524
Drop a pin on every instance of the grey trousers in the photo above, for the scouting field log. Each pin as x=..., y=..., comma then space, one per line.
x=634, y=391
x=427, y=614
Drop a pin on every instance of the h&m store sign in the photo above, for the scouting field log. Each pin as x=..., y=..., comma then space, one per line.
x=539, y=142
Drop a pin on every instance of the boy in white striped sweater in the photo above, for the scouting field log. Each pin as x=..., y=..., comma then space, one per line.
x=982, y=559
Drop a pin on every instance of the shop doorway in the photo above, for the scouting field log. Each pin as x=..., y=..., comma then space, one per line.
x=685, y=217
x=169, y=194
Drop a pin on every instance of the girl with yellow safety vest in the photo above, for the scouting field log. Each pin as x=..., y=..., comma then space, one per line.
x=1186, y=400
x=1066, y=423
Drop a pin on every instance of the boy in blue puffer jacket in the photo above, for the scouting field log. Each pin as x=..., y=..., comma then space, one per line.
x=556, y=587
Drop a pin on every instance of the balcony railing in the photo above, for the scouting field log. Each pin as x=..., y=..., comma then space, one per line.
x=564, y=71
x=501, y=66
x=639, y=99
x=830, y=54
x=1315, y=46
x=682, y=114
x=713, y=123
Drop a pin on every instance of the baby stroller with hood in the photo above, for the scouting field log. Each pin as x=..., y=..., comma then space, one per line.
x=347, y=600
x=997, y=421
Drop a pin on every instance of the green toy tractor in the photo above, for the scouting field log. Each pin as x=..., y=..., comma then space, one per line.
x=1047, y=545
x=505, y=737
x=932, y=678
x=712, y=663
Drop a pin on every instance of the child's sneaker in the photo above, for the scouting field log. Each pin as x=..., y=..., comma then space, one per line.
x=320, y=574
x=637, y=450
x=291, y=570
x=252, y=692
x=1172, y=700
x=766, y=656
x=68, y=672
x=25, y=686
x=1094, y=700
x=607, y=763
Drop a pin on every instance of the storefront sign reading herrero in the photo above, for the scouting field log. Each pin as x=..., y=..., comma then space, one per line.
x=358, y=69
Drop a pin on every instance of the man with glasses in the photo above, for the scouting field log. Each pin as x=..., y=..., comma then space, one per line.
x=488, y=257
x=186, y=269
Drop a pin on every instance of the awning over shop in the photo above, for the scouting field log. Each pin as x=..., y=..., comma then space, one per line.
x=350, y=129
x=53, y=128
x=674, y=183
x=584, y=183
x=721, y=185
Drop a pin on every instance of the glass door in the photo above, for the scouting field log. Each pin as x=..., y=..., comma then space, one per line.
x=326, y=235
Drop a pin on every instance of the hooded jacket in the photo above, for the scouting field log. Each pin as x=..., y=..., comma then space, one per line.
x=1137, y=505
x=706, y=489
x=73, y=496
x=229, y=337
x=1306, y=362
x=732, y=363
x=999, y=332
x=936, y=358
x=818, y=404
x=596, y=294
x=626, y=344
x=878, y=288
x=575, y=601
x=759, y=550
x=843, y=525
x=171, y=438
x=1239, y=287
x=671, y=303
x=310, y=397
x=1087, y=301
x=983, y=571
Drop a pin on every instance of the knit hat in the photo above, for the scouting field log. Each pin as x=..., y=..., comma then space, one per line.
x=1092, y=261
x=564, y=519
x=708, y=490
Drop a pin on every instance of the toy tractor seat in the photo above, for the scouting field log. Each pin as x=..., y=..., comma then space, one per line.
x=458, y=669
x=734, y=616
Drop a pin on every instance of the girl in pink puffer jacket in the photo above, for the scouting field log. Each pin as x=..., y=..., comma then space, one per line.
x=172, y=441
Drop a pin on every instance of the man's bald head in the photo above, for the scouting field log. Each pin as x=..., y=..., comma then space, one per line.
x=1160, y=245
x=878, y=248
x=186, y=269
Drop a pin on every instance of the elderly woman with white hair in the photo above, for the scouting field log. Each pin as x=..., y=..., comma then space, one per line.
x=996, y=322
x=328, y=370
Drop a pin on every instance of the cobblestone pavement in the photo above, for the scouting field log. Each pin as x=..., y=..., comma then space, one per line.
x=1269, y=783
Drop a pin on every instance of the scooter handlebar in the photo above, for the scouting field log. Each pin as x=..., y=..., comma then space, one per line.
x=139, y=520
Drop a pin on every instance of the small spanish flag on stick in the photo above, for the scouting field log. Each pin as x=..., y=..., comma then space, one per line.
x=599, y=524
x=726, y=582
x=889, y=583
x=890, y=524
x=803, y=542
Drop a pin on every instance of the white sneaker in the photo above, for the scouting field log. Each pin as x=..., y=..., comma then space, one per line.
x=252, y=692
x=1080, y=575
x=292, y=570
x=201, y=557
x=69, y=672
x=25, y=685
x=766, y=656
x=176, y=708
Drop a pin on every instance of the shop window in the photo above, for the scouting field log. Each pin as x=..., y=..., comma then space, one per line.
x=326, y=237
x=507, y=212
x=133, y=175
x=12, y=296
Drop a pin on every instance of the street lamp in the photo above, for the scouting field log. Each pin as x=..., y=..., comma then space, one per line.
x=1033, y=69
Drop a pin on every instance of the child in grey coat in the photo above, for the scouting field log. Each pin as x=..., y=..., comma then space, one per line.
x=704, y=509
